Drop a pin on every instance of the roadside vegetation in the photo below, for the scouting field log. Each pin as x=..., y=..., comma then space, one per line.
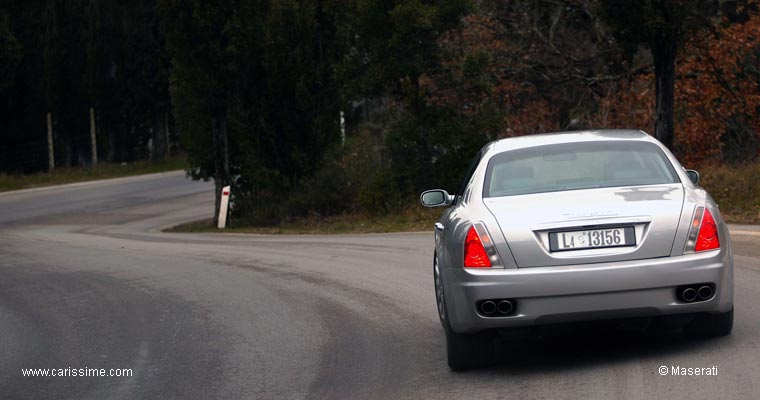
x=414, y=218
x=326, y=111
x=736, y=189
x=81, y=174
x=417, y=111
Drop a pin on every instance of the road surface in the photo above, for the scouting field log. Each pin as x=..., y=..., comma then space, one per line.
x=88, y=282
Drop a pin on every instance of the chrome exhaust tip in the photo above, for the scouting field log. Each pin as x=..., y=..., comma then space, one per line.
x=488, y=307
x=505, y=307
x=705, y=292
x=689, y=294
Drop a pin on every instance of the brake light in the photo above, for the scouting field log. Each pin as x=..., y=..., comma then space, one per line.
x=475, y=255
x=707, y=239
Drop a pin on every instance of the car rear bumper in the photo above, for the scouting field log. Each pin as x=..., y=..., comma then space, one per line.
x=546, y=295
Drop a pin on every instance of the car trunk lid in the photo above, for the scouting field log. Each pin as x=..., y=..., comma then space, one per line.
x=649, y=213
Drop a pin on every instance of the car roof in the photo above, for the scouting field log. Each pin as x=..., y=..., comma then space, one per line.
x=541, y=139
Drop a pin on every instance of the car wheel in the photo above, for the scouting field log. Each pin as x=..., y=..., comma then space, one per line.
x=441, y=305
x=467, y=351
x=464, y=351
x=710, y=325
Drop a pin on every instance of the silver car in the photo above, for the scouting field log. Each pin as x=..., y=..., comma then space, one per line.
x=577, y=226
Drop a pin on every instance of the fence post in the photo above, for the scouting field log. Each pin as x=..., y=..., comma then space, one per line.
x=51, y=152
x=93, y=138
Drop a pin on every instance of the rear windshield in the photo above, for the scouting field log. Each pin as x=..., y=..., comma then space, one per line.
x=573, y=166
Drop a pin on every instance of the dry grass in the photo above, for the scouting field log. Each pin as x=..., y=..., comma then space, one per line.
x=82, y=174
x=736, y=190
x=413, y=219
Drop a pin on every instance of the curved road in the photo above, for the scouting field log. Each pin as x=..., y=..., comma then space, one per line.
x=88, y=281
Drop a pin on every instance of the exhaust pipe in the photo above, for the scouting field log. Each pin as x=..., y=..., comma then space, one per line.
x=705, y=292
x=488, y=307
x=689, y=294
x=505, y=307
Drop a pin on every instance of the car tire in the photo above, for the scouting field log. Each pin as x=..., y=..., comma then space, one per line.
x=467, y=351
x=463, y=351
x=710, y=325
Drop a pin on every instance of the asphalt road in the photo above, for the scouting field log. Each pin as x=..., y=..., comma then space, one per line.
x=87, y=280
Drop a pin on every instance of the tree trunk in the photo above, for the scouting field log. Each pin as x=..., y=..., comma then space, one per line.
x=167, y=137
x=217, y=168
x=664, y=54
x=158, y=137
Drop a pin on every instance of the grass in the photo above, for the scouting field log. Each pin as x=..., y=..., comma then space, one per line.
x=736, y=189
x=413, y=219
x=81, y=174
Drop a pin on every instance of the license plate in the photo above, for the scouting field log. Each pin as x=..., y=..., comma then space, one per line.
x=592, y=239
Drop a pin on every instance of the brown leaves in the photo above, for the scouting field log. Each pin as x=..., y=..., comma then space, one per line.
x=491, y=69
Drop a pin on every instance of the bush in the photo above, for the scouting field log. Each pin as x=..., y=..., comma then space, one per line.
x=357, y=181
x=326, y=193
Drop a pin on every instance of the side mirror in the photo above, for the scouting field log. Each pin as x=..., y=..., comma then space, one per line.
x=693, y=176
x=436, y=198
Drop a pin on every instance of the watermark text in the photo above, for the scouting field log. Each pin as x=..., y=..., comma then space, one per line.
x=679, y=370
x=77, y=372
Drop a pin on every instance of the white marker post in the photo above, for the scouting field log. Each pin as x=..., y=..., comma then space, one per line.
x=224, y=204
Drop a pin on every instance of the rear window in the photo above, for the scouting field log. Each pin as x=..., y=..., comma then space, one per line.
x=574, y=166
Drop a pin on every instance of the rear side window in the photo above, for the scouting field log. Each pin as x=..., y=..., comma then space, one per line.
x=468, y=175
x=573, y=166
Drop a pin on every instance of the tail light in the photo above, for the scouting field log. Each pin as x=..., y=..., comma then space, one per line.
x=474, y=253
x=703, y=233
x=708, y=234
x=479, y=250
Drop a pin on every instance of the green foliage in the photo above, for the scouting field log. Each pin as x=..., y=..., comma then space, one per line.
x=433, y=147
x=299, y=99
x=393, y=42
x=10, y=52
x=325, y=193
x=199, y=40
x=393, y=45
x=367, y=162
x=380, y=49
x=255, y=83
